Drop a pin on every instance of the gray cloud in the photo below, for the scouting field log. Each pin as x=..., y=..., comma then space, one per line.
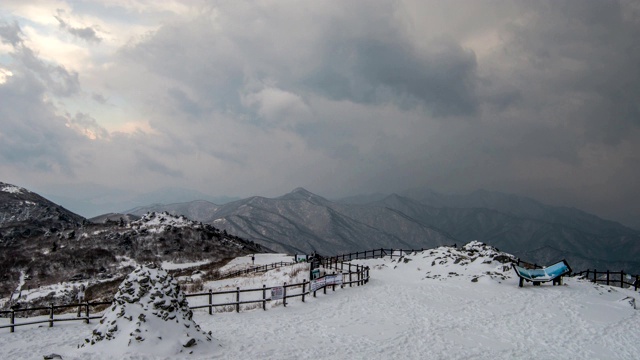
x=374, y=71
x=54, y=78
x=10, y=33
x=86, y=33
x=99, y=98
x=154, y=166
x=31, y=134
x=536, y=98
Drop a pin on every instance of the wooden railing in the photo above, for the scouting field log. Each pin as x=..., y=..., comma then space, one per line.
x=256, y=269
x=356, y=275
x=51, y=310
x=375, y=254
x=614, y=278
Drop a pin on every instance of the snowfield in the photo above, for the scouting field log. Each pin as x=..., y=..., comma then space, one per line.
x=438, y=304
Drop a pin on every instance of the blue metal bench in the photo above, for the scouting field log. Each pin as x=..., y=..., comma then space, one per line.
x=553, y=273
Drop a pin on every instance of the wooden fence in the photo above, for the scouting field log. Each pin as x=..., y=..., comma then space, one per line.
x=357, y=275
x=51, y=310
x=257, y=269
x=374, y=254
x=611, y=278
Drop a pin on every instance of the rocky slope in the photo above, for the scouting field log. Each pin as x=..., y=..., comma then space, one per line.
x=44, y=246
x=24, y=213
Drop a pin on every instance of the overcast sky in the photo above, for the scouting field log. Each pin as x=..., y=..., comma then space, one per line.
x=235, y=98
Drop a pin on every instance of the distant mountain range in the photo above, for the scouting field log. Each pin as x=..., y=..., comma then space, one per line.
x=303, y=222
x=92, y=200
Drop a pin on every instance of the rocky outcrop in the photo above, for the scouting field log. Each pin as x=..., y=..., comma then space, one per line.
x=150, y=314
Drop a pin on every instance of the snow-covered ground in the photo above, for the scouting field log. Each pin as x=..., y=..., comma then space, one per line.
x=159, y=222
x=12, y=189
x=437, y=304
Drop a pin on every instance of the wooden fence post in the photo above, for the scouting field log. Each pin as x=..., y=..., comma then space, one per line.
x=334, y=282
x=86, y=321
x=210, y=302
x=304, y=285
x=284, y=295
x=51, y=316
x=622, y=279
x=238, y=299
x=635, y=284
x=264, y=297
x=349, y=275
x=607, y=277
x=13, y=319
x=595, y=276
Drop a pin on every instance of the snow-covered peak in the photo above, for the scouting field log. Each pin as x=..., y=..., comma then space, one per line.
x=12, y=189
x=158, y=221
x=150, y=314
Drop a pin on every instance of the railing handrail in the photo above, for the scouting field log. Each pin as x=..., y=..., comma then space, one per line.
x=362, y=273
x=255, y=269
x=608, y=281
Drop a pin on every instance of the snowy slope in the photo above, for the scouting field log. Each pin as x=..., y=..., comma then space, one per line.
x=438, y=304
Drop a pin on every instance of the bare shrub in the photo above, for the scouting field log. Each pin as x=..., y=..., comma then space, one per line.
x=251, y=306
x=196, y=286
x=297, y=269
x=225, y=308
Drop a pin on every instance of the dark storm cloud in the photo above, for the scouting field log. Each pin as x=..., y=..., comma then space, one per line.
x=587, y=52
x=356, y=60
x=194, y=55
x=373, y=70
x=344, y=97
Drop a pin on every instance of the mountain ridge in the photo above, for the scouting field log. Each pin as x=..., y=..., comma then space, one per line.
x=301, y=221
